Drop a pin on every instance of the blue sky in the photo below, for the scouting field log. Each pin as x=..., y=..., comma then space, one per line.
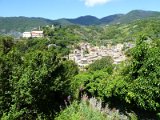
x=55, y=9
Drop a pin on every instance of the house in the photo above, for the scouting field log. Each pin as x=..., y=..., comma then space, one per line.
x=26, y=35
x=32, y=34
x=37, y=33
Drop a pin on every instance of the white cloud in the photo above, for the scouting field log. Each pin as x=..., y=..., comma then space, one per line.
x=91, y=3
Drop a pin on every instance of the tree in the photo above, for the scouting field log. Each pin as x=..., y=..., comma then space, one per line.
x=44, y=83
x=103, y=63
x=142, y=75
x=91, y=83
x=6, y=44
x=40, y=83
x=5, y=88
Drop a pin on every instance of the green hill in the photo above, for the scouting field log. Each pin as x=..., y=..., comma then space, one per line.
x=137, y=15
x=85, y=20
x=112, y=19
x=21, y=24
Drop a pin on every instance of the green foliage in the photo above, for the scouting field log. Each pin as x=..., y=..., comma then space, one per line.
x=135, y=82
x=42, y=73
x=62, y=37
x=158, y=116
x=104, y=63
x=13, y=114
x=5, y=88
x=133, y=116
x=6, y=43
x=34, y=80
x=80, y=111
x=92, y=83
x=143, y=76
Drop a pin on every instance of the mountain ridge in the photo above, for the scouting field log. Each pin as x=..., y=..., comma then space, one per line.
x=21, y=24
x=115, y=18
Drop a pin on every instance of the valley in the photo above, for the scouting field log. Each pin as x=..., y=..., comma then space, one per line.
x=80, y=69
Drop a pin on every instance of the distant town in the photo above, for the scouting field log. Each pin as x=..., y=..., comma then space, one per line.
x=87, y=54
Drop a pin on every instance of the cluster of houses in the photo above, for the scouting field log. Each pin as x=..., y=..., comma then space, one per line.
x=87, y=54
x=32, y=34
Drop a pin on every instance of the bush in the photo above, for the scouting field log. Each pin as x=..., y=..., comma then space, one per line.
x=104, y=63
x=158, y=116
x=80, y=111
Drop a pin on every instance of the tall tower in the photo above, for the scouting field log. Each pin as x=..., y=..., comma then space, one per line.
x=52, y=27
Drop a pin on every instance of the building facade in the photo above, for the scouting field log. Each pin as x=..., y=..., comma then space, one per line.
x=26, y=35
x=33, y=34
x=37, y=33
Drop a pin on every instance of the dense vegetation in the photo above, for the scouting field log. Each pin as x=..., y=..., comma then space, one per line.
x=34, y=80
x=38, y=82
x=80, y=111
x=102, y=35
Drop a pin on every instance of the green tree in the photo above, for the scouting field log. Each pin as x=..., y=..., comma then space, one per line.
x=40, y=83
x=90, y=83
x=5, y=88
x=6, y=44
x=103, y=63
x=142, y=75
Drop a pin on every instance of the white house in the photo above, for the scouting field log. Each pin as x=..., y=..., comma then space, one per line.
x=37, y=33
x=32, y=34
x=26, y=34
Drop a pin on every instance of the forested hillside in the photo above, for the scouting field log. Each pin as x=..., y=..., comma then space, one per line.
x=37, y=81
x=102, y=35
x=138, y=15
x=12, y=25
x=21, y=24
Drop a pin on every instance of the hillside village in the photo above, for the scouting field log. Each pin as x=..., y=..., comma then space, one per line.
x=87, y=54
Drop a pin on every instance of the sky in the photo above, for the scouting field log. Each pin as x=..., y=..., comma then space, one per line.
x=56, y=9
